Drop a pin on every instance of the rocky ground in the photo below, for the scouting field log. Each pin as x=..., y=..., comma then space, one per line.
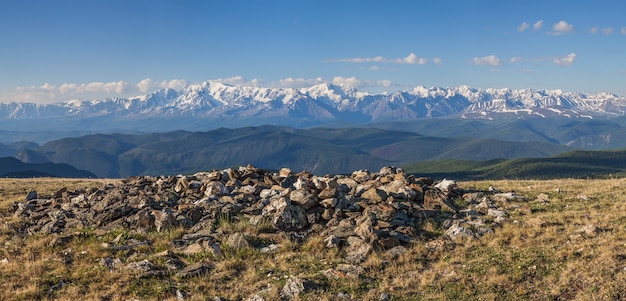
x=357, y=215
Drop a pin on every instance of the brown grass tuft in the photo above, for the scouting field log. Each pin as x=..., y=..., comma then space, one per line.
x=571, y=246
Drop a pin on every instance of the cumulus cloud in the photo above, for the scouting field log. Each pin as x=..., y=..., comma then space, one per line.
x=523, y=26
x=490, y=60
x=74, y=88
x=291, y=82
x=623, y=31
x=298, y=82
x=349, y=82
x=561, y=27
x=346, y=81
x=607, y=31
x=594, y=30
x=49, y=93
x=76, y=92
x=239, y=81
x=147, y=85
x=173, y=84
x=144, y=85
x=437, y=60
x=515, y=59
x=410, y=59
x=565, y=60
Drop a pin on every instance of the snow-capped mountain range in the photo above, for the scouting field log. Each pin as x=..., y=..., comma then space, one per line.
x=215, y=102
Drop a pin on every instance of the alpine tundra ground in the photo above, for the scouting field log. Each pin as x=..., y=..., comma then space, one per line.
x=565, y=241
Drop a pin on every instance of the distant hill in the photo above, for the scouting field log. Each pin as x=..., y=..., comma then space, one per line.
x=577, y=133
x=13, y=168
x=10, y=149
x=581, y=133
x=574, y=164
x=319, y=150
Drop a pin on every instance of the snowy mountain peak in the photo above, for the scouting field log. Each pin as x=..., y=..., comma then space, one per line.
x=211, y=100
x=332, y=92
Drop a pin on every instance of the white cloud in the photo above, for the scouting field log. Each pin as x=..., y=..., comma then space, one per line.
x=565, y=60
x=346, y=81
x=239, y=81
x=350, y=82
x=144, y=85
x=147, y=85
x=607, y=31
x=560, y=28
x=118, y=87
x=377, y=59
x=515, y=59
x=523, y=27
x=490, y=60
x=176, y=84
x=375, y=68
x=291, y=82
x=76, y=92
x=410, y=59
x=538, y=25
x=48, y=93
x=437, y=60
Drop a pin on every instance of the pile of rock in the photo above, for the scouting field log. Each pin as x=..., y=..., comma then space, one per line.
x=362, y=212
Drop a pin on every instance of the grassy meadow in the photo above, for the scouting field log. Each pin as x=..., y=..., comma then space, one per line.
x=567, y=241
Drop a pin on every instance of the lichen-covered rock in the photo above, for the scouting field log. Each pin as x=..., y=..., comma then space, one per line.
x=290, y=218
x=296, y=286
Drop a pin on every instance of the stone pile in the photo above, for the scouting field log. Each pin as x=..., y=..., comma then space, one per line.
x=362, y=213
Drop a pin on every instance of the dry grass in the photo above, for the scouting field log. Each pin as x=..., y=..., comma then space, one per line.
x=548, y=251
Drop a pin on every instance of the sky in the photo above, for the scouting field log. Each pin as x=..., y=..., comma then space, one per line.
x=53, y=51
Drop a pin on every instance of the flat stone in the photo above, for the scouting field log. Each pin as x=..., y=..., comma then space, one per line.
x=193, y=249
x=459, y=233
x=446, y=185
x=195, y=270
x=296, y=286
x=374, y=195
x=111, y=263
x=344, y=271
x=141, y=267
x=359, y=254
x=237, y=241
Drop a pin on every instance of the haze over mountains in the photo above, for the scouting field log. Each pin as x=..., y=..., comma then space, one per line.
x=213, y=104
x=322, y=129
x=319, y=150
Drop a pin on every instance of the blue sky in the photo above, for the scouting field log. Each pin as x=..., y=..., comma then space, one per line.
x=59, y=50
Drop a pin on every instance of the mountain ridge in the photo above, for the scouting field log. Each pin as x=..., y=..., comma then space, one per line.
x=214, y=102
x=320, y=150
x=13, y=168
